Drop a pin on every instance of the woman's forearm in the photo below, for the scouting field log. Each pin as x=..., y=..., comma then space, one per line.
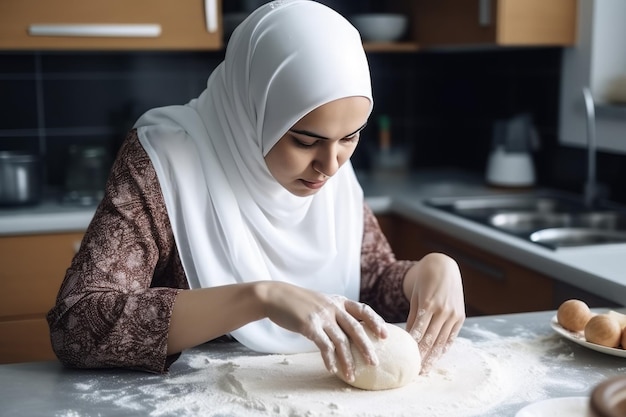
x=203, y=314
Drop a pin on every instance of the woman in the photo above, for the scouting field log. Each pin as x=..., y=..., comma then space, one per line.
x=239, y=213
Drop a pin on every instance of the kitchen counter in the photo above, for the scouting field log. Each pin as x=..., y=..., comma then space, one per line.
x=556, y=366
x=598, y=270
x=48, y=217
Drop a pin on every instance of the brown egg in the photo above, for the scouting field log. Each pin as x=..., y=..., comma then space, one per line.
x=603, y=329
x=573, y=315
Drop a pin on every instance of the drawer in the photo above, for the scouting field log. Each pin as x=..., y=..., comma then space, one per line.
x=33, y=267
x=26, y=340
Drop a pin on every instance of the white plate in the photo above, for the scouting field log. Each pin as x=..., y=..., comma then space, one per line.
x=579, y=337
x=556, y=407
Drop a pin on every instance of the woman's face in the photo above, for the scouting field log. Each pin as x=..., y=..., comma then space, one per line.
x=316, y=147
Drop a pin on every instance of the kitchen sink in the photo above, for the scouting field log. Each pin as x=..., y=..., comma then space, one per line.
x=524, y=222
x=566, y=236
x=553, y=220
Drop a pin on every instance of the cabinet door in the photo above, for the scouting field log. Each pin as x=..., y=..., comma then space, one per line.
x=33, y=268
x=500, y=22
x=492, y=285
x=183, y=25
x=25, y=340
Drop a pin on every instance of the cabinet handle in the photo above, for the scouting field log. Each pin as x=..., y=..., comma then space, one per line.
x=210, y=15
x=96, y=30
x=484, y=13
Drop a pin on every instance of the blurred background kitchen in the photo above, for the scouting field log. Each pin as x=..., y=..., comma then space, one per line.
x=489, y=90
x=72, y=105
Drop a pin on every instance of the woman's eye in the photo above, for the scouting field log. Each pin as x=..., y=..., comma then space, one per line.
x=353, y=138
x=303, y=144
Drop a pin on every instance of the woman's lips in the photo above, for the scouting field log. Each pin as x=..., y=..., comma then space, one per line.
x=313, y=185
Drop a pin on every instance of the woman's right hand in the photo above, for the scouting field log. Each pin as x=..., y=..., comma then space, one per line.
x=332, y=322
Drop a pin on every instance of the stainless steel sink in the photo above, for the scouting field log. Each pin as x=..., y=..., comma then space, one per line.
x=566, y=236
x=553, y=220
x=524, y=222
x=480, y=207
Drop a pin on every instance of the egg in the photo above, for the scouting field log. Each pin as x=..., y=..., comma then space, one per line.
x=604, y=330
x=573, y=315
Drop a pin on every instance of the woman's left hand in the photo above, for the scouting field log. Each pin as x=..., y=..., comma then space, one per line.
x=437, y=310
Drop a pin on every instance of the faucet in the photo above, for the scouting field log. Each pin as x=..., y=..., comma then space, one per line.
x=591, y=187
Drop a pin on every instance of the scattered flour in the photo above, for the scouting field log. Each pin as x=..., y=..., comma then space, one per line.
x=474, y=377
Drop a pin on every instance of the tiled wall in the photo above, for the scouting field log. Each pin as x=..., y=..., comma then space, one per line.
x=443, y=103
x=51, y=100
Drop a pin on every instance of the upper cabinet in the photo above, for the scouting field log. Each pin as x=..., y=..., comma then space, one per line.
x=110, y=24
x=444, y=23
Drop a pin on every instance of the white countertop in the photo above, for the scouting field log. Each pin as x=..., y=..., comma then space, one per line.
x=559, y=367
x=48, y=217
x=597, y=269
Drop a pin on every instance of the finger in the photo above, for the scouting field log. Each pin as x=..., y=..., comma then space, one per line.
x=315, y=332
x=411, y=318
x=342, y=350
x=419, y=326
x=453, y=335
x=441, y=338
x=358, y=337
x=327, y=349
x=366, y=314
x=433, y=333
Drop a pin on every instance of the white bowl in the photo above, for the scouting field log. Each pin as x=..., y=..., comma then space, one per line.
x=381, y=27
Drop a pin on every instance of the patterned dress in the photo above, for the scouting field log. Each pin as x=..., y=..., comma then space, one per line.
x=114, y=306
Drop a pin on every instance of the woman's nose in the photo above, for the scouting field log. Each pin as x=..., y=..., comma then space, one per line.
x=328, y=160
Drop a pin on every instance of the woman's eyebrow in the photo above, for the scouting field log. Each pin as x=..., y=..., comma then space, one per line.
x=315, y=135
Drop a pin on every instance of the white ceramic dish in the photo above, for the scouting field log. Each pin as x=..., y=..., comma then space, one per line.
x=579, y=337
x=380, y=27
x=553, y=407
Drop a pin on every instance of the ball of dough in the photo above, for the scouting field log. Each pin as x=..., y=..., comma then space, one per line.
x=573, y=315
x=604, y=330
x=399, y=361
x=623, y=340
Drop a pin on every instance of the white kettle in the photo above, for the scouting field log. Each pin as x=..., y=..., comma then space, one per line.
x=510, y=163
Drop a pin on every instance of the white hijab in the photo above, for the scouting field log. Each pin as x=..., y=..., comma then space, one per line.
x=232, y=221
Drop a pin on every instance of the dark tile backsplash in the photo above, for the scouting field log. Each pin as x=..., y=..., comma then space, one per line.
x=442, y=103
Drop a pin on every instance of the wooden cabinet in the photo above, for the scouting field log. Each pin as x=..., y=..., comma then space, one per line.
x=33, y=267
x=77, y=24
x=490, y=22
x=492, y=285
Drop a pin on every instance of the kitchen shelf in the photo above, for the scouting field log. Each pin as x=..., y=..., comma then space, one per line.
x=391, y=46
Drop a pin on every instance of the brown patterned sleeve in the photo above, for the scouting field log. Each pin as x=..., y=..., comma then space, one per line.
x=381, y=274
x=115, y=303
